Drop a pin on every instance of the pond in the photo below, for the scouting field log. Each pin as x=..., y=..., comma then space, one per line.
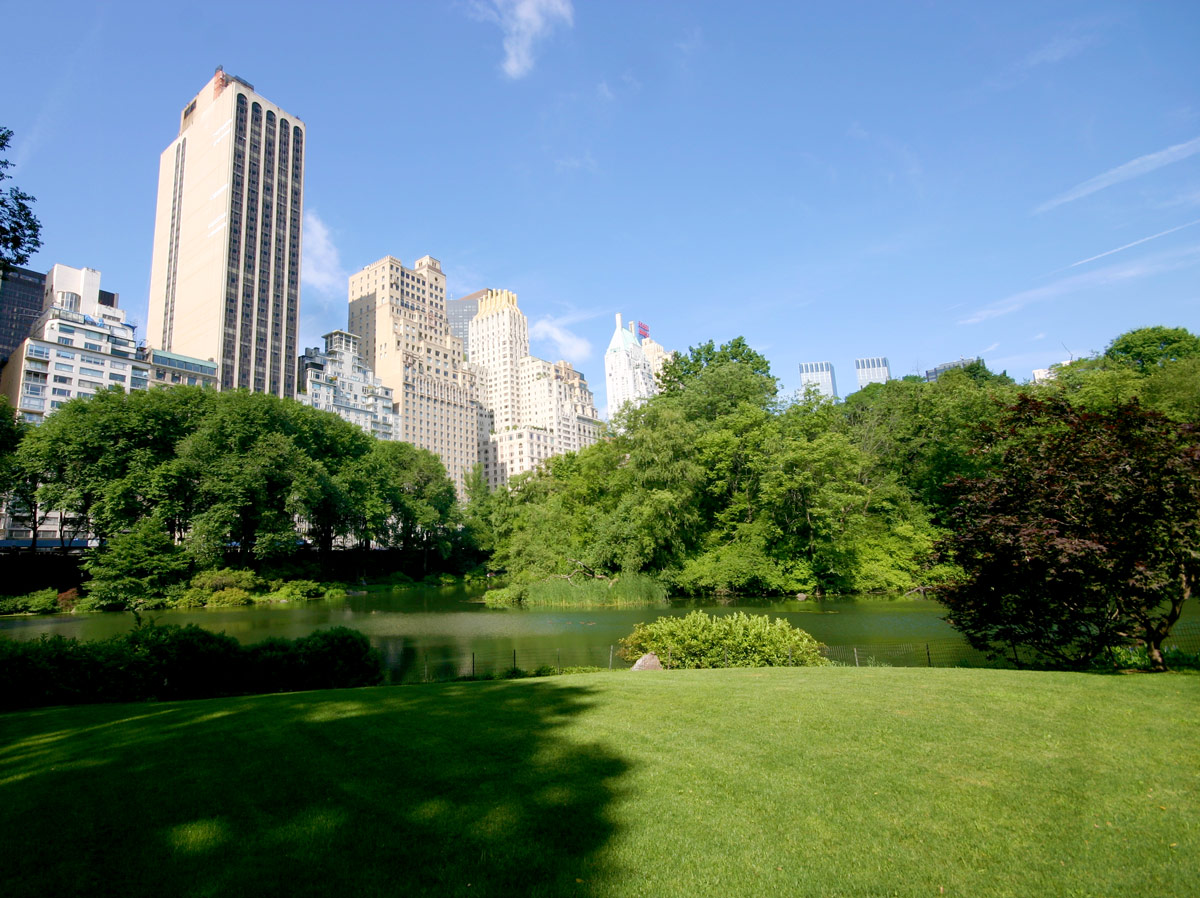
x=442, y=632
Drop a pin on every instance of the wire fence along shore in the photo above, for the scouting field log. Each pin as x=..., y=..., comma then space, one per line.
x=407, y=665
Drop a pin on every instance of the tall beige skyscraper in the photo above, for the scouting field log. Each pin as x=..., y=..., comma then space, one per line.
x=400, y=314
x=535, y=408
x=225, y=280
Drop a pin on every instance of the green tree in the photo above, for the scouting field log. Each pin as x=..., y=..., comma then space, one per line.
x=20, y=231
x=1150, y=347
x=257, y=465
x=133, y=569
x=12, y=430
x=685, y=367
x=1085, y=533
x=108, y=461
x=401, y=498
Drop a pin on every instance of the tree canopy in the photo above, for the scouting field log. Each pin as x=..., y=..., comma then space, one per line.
x=1083, y=534
x=1150, y=347
x=185, y=479
x=20, y=231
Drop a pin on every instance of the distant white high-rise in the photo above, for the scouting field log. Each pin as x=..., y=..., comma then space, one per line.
x=632, y=365
x=874, y=370
x=819, y=375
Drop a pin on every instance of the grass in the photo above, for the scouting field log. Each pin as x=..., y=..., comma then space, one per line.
x=796, y=782
x=627, y=589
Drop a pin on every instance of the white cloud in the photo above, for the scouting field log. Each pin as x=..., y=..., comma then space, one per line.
x=576, y=163
x=1059, y=49
x=692, y=42
x=604, y=92
x=567, y=344
x=321, y=268
x=1187, y=198
x=1132, y=169
x=1040, y=336
x=1102, y=277
x=524, y=23
x=991, y=348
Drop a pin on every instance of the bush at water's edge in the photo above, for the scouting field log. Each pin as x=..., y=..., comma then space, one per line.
x=171, y=662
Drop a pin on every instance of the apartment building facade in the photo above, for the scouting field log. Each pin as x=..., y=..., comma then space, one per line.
x=399, y=314
x=337, y=380
x=534, y=409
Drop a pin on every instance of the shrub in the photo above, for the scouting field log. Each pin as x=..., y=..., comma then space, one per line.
x=227, y=578
x=337, y=658
x=297, y=591
x=170, y=662
x=505, y=596
x=231, y=595
x=734, y=640
x=187, y=662
x=193, y=597
x=44, y=601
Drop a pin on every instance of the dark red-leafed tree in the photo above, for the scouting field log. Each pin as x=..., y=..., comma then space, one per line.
x=1084, y=535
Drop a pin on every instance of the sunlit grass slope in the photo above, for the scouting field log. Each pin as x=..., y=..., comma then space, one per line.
x=779, y=782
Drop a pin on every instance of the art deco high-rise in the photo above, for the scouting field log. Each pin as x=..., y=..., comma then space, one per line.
x=225, y=280
x=400, y=315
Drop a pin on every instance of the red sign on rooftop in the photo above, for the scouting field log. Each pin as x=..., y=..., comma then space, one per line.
x=643, y=330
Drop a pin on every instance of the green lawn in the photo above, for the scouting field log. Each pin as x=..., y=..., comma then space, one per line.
x=767, y=782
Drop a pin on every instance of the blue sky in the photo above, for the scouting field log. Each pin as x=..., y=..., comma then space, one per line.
x=923, y=181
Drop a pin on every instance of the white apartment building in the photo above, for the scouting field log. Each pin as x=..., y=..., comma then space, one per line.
x=629, y=376
x=79, y=345
x=225, y=276
x=399, y=314
x=338, y=381
x=819, y=375
x=534, y=408
x=874, y=370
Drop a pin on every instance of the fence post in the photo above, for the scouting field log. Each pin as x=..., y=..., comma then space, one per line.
x=514, y=659
x=928, y=657
x=610, y=654
x=427, y=666
x=789, y=656
x=559, y=660
x=856, y=656
x=727, y=657
x=472, y=665
x=668, y=657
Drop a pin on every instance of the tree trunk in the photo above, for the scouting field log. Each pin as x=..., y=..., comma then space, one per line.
x=1154, y=652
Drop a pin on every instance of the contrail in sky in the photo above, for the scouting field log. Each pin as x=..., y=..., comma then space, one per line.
x=1135, y=243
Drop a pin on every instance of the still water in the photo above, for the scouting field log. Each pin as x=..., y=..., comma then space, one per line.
x=439, y=632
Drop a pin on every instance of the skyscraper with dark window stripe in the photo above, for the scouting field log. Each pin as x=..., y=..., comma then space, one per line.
x=225, y=280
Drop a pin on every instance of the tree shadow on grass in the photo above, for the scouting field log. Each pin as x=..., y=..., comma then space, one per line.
x=459, y=789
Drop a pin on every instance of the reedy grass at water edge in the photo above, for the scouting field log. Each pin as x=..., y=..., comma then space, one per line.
x=796, y=782
x=626, y=589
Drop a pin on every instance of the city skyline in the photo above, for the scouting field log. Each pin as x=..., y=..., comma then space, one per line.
x=1019, y=184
